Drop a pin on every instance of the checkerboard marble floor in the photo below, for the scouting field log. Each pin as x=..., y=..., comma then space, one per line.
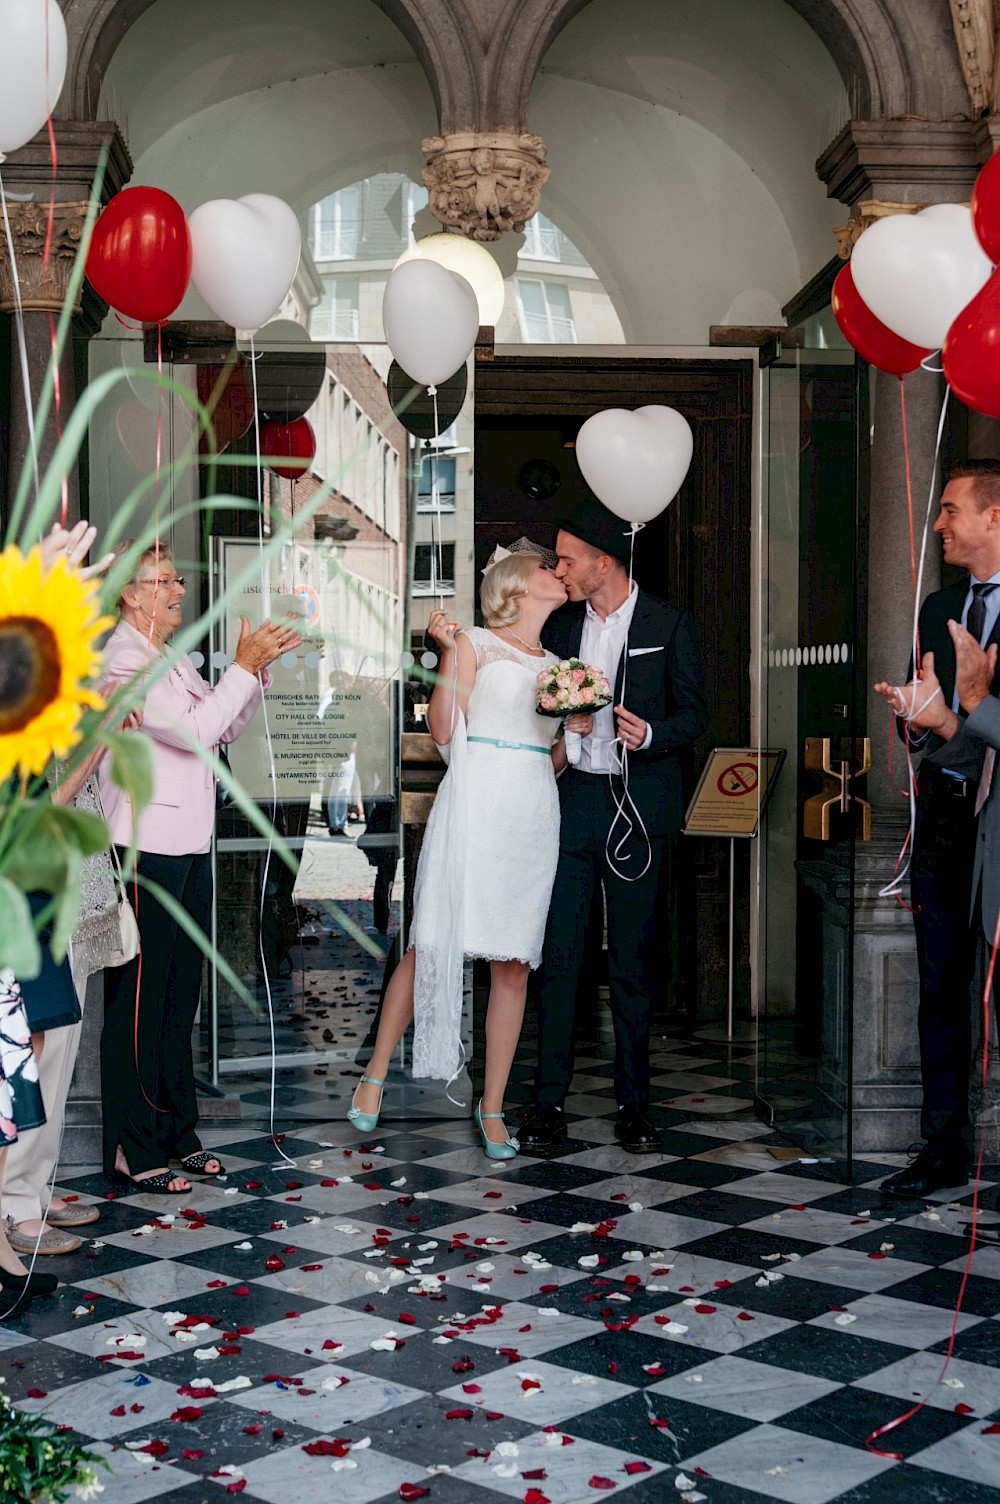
x=397, y=1317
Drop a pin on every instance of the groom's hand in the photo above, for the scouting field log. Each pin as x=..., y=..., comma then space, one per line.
x=631, y=728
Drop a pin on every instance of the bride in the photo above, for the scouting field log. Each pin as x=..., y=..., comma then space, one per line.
x=489, y=853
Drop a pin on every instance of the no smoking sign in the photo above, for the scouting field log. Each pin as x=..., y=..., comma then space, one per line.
x=738, y=779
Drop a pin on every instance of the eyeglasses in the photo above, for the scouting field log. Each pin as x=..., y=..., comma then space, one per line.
x=164, y=582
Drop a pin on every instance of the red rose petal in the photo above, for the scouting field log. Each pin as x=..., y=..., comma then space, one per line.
x=310, y=1268
x=242, y=1290
x=704, y=1310
x=993, y=1430
x=744, y=1316
x=40, y=1394
x=964, y=1410
x=118, y=1410
x=412, y=1491
x=535, y=1496
x=187, y=1414
x=598, y=1482
x=537, y=1475
x=192, y=1454
x=638, y=1467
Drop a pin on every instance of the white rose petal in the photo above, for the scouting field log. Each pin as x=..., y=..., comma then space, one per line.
x=681, y=1481
x=633, y=1256
x=359, y=1446
x=344, y=1465
x=397, y=1183
x=635, y=1206
x=243, y=1247
x=953, y=1383
x=886, y=1247
x=507, y=1449
x=231, y=1191
x=171, y=1317
x=589, y=1261
x=206, y=1353
x=507, y=1470
x=584, y=1227
x=333, y=1382
x=231, y=1384
x=845, y=1318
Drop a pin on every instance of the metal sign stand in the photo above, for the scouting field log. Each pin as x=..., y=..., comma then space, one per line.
x=732, y=794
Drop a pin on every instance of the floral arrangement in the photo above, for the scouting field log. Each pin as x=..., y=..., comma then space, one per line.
x=39, y=1464
x=571, y=687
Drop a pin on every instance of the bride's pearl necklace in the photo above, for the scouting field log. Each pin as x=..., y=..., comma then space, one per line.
x=532, y=647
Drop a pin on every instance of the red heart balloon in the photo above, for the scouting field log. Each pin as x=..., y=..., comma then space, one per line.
x=971, y=351
x=287, y=448
x=226, y=394
x=140, y=254
x=868, y=335
x=985, y=206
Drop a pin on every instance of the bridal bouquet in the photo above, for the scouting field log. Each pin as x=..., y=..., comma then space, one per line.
x=571, y=687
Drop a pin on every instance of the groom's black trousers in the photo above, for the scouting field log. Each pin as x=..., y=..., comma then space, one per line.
x=587, y=812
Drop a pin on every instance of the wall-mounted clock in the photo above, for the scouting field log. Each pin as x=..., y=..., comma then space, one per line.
x=539, y=479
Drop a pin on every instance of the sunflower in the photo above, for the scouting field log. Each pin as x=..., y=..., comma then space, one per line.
x=48, y=625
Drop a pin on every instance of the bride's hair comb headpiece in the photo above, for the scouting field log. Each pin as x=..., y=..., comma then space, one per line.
x=522, y=546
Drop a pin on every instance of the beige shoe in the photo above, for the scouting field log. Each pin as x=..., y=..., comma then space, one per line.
x=52, y=1241
x=73, y=1215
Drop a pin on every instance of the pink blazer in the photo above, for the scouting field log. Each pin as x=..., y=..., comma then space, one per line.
x=180, y=819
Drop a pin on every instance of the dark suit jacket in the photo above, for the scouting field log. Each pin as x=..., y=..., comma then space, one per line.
x=666, y=686
x=963, y=754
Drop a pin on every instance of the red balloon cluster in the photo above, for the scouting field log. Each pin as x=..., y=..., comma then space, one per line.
x=970, y=354
x=287, y=448
x=139, y=259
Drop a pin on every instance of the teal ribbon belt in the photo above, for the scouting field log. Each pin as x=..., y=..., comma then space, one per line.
x=492, y=741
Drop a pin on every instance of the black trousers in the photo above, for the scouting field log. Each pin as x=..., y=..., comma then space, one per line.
x=147, y=1073
x=941, y=891
x=587, y=813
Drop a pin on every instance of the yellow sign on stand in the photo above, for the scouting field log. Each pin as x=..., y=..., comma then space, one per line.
x=732, y=792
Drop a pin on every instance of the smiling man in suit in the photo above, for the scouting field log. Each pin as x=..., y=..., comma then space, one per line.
x=661, y=706
x=944, y=840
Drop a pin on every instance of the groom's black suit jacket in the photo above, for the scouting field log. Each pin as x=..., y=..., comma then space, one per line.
x=664, y=683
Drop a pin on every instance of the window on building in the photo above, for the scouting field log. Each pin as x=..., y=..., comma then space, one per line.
x=434, y=569
x=437, y=485
x=541, y=240
x=545, y=312
x=338, y=315
x=336, y=226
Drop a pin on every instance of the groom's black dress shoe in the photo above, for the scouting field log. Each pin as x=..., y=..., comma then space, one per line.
x=635, y=1132
x=932, y=1170
x=543, y=1129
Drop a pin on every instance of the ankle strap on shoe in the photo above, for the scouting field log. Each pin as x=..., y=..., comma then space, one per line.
x=372, y=1081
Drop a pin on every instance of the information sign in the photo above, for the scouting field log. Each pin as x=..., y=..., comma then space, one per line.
x=735, y=785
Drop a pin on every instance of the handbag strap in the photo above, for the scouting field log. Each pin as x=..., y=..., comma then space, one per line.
x=116, y=863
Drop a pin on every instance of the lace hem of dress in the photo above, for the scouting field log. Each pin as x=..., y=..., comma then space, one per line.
x=532, y=962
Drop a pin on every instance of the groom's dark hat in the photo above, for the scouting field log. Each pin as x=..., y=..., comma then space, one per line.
x=600, y=528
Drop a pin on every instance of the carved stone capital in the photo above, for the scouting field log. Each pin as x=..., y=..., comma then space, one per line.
x=869, y=210
x=484, y=183
x=43, y=283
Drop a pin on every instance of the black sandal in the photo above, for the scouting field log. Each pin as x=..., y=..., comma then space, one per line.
x=160, y=1184
x=195, y=1164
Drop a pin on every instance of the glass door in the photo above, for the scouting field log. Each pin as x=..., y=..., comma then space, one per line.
x=809, y=652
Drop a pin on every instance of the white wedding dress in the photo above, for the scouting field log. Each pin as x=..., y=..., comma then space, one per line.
x=488, y=860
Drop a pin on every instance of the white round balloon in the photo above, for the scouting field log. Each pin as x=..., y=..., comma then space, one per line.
x=470, y=260
x=431, y=319
x=916, y=272
x=32, y=68
x=246, y=254
x=635, y=462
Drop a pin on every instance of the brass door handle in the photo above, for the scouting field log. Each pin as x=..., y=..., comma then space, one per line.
x=838, y=776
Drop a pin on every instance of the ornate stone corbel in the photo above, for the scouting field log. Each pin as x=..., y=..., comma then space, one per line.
x=485, y=183
x=975, y=25
x=44, y=286
x=869, y=210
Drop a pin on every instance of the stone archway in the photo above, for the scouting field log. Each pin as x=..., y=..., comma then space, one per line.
x=896, y=57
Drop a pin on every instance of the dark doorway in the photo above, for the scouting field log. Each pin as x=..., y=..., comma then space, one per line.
x=697, y=555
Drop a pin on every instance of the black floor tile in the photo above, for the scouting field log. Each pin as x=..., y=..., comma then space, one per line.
x=627, y=1424
x=980, y=1344
x=421, y=1433
x=908, y=1484
x=827, y=1354
x=621, y=1356
x=850, y=1416
x=940, y=1287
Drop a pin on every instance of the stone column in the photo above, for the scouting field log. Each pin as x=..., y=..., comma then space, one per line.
x=30, y=186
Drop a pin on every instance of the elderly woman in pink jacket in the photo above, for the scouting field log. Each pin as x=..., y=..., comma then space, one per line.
x=148, y=1089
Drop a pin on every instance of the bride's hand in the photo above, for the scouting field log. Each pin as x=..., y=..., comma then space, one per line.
x=442, y=630
x=583, y=725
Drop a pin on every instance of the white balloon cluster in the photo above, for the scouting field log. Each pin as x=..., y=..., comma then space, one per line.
x=635, y=462
x=916, y=272
x=33, y=53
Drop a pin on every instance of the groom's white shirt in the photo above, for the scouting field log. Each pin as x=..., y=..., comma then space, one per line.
x=601, y=645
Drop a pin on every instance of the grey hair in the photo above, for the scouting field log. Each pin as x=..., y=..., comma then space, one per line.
x=158, y=553
x=504, y=583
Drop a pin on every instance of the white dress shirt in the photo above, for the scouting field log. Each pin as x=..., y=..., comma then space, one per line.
x=601, y=646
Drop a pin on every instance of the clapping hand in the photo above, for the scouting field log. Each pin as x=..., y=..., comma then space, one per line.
x=920, y=702
x=974, y=668
x=74, y=544
x=256, y=650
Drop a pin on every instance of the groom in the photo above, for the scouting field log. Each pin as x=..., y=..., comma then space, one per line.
x=661, y=706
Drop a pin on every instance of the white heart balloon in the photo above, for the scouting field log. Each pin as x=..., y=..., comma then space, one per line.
x=916, y=272
x=32, y=68
x=246, y=254
x=431, y=319
x=635, y=462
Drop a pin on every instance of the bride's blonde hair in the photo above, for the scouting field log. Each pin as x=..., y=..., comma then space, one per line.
x=504, y=583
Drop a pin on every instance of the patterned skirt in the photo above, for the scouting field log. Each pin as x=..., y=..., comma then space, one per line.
x=20, y=1094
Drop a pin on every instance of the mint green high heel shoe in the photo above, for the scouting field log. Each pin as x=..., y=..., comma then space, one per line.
x=366, y=1121
x=505, y=1150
